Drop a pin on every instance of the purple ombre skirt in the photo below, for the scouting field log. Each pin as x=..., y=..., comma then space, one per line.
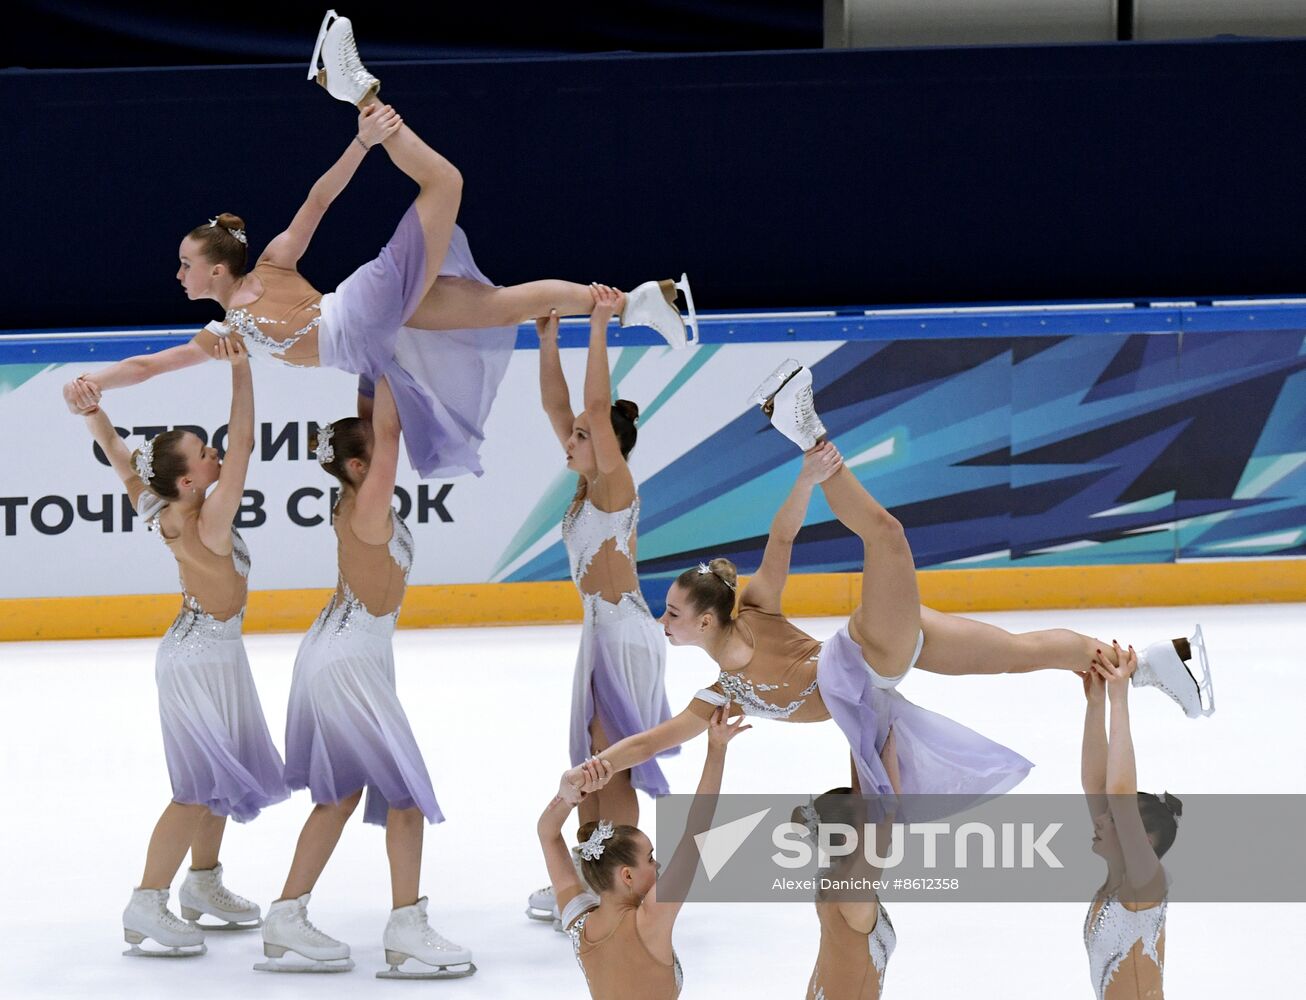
x=215, y=739
x=936, y=756
x=620, y=678
x=443, y=381
x=345, y=727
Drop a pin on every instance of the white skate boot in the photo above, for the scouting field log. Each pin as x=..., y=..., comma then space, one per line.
x=203, y=892
x=335, y=63
x=148, y=916
x=408, y=935
x=1169, y=666
x=653, y=304
x=542, y=905
x=786, y=397
x=287, y=929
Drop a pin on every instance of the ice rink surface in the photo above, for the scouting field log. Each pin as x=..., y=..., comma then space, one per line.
x=82, y=768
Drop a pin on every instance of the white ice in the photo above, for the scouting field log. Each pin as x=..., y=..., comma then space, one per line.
x=82, y=769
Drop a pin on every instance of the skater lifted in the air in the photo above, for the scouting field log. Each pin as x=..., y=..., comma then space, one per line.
x=421, y=314
x=345, y=728
x=852, y=677
x=618, y=689
x=616, y=903
x=220, y=757
x=1124, y=930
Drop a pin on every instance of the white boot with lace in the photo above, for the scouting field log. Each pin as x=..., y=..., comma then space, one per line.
x=148, y=916
x=336, y=65
x=288, y=929
x=786, y=397
x=408, y=935
x=203, y=892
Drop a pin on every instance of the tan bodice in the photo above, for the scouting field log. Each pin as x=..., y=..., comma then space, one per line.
x=376, y=575
x=779, y=682
x=281, y=324
x=619, y=965
x=210, y=583
x=850, y=965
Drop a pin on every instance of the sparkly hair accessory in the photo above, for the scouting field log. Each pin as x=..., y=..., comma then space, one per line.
x=705, y=570
x=593, y=848
x=811, y=818
x=145, y=461
x=238, y=234
x=324, y=451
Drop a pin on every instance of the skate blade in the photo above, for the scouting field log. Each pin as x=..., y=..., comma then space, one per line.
x=1205, y=689
x=440, y=972
x=309, y=965
x=773, y=383
x=183, y=951
x=691, y=321
x=231, y=925
x=539, y=914
x=317, y=46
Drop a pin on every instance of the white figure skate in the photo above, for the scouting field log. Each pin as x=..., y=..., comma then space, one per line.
x=786, y=397
x=203, y=892
x=288, y=929
x=148, y=916
x=1169, y=666
x=653, y=304
x=335, y=63
x=542, y=904
x=408, y=935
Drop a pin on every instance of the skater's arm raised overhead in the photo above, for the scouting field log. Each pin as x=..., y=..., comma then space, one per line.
x=658, y=915
x=557, y=857
x=115, y=450
x=133, y=371
x=554, y=396
x=1092, y=757
x=371, y=519
x=598, y=392
x=376, y=123
x=636, y=749
x=767, y=585
x=220, y=506
x=1142, y=869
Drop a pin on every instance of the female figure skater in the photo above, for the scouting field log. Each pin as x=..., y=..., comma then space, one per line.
x=1124, y=930
x=857, y=936
x=620, y=930
x=851, y=678
x=618, y=689
x=345, y=727
x=378, y=322
x=220, y=757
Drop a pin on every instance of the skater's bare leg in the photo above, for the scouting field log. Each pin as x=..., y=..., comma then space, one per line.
x=464, y=304
x=403, y=845
x=169, y=842
x=887, y=622
x=617, y=802
x=956, y=645
x=317, y=840
x=207, y=842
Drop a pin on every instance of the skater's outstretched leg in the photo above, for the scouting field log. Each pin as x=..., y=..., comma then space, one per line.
x=169, y=842
x=317, y=841
x=463, y=304
x=956, y=645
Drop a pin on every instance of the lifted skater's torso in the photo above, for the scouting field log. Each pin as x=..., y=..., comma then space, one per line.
x=281, y=323
x=779, y=680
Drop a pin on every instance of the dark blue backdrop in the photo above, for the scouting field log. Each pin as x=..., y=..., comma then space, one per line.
x=777, y=179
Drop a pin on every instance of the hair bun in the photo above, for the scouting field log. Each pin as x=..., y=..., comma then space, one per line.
x=1172, y=803
x=228, y=221
x=586, y=831
x=726, y=570
x=627, y=409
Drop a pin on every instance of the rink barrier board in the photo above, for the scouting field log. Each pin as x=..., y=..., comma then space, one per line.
x=806, y=595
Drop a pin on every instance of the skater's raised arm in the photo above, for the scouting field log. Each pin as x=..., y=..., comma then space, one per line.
x=675, y=881
x=221, y=505
x=554, y=395
x=115, y=450
x=557, y=857
x=1092, y=757
x=1142, y=868
x=371, y=519
x=84, y=391
x=598, y=393
x=767, y=585
x=376, y=123
x=625, y=754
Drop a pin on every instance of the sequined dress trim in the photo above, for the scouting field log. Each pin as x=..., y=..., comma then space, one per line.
x=587, y=529
x=259, y=343
x=346, y=615
x=194, y=627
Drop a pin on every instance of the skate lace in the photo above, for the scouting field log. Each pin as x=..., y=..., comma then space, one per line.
x=311, y=933
x=805, y=409
x=172, y=922
x=353, y=64
x=228, y=900
x=433, y=939
x=542, y=890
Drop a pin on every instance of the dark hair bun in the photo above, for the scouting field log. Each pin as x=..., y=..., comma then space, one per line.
x=726, y=570
x=1172, y=803
x=228, y=221
x=627, y=409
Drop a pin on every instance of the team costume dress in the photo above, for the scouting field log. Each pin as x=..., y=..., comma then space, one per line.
x=621, y=666
x=618, y=966
x=345, y=727
x=850, y=964
x=794, y=678
x=444, y=382
x=1126, y=948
